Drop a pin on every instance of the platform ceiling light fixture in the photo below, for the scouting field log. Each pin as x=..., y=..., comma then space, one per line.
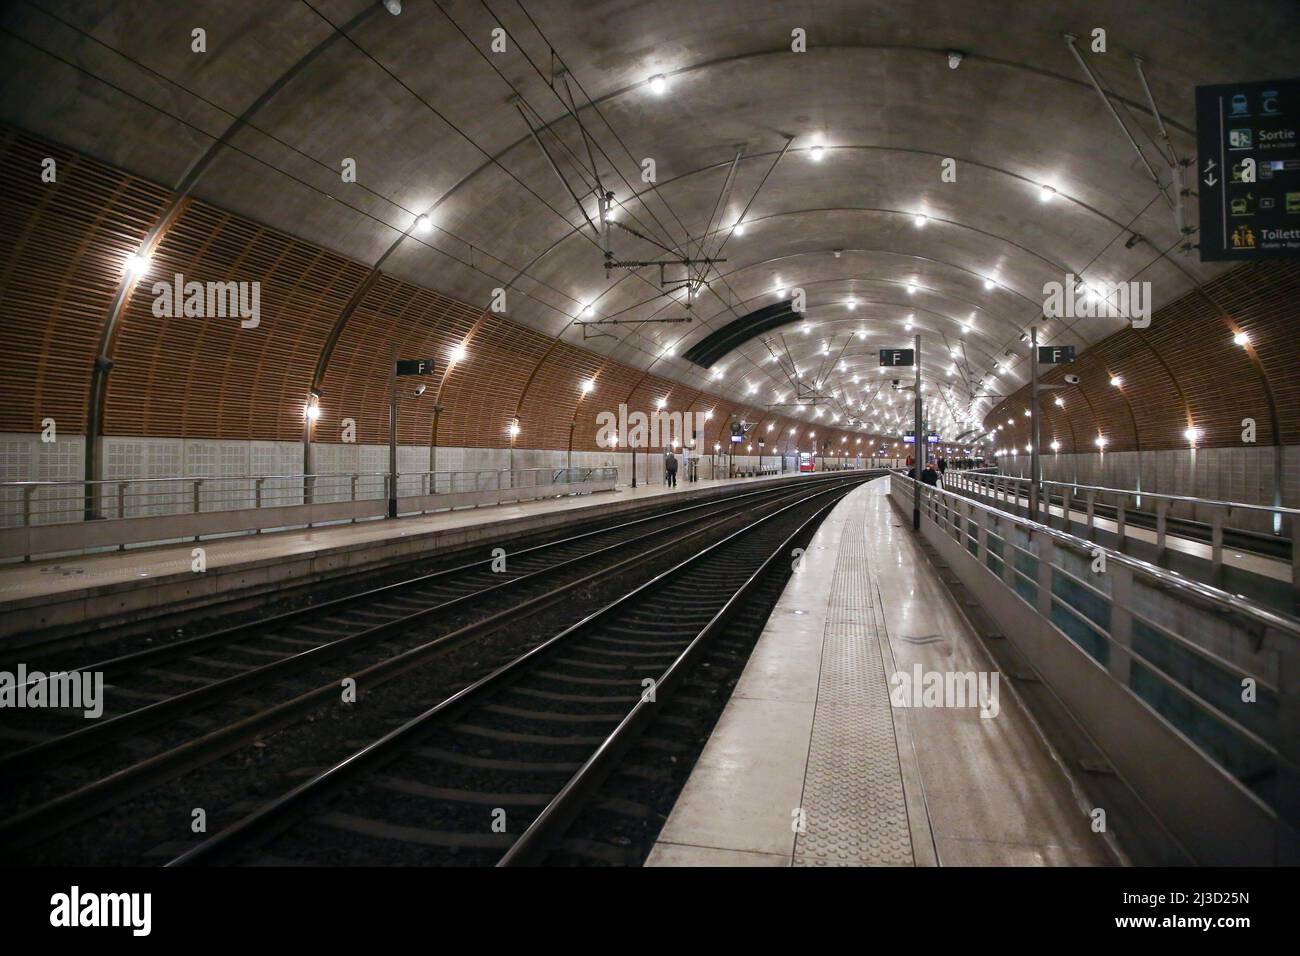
x=1101, y=441
x=658, y=84
x=911, y=288
x=1192, y=434
x=853, y=304
x=1060, y=401
x=661, y=402
x=1046, y=193
x=817, y=152
x=423, y=223
x=136, y=265
x=920, y=219
x=1241, y=338
x=1116, y=381
x=989, y=283
x=514, y=429
x=1056, y=446
x=740, y=229
x=588, y=386
x=457, y=354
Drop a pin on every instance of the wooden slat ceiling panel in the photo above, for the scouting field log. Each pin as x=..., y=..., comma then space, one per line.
x=1188, y=347
x=394, y=319
x=62, y=246
x=197, y=377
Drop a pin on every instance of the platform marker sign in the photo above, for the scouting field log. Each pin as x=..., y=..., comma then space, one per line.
x=1248, y=170
x=415, y=366
x=897, y=358
x=1055, y=354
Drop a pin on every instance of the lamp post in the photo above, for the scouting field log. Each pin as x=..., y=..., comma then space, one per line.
x=917, y=444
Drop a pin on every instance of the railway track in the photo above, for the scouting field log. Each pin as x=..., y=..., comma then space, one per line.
x=497, y=772
x=182, y=705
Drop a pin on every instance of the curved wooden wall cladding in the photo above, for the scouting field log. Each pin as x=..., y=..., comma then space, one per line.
x=1184, y=371
x=62, y=246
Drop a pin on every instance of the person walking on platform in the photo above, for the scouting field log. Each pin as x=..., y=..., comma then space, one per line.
x=929, y=475
x=670, y=469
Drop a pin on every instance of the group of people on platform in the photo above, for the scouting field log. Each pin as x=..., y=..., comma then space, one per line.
x=935, y=468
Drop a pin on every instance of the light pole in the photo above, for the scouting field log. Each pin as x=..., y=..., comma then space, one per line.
x=1035, y=464
x=917, y=443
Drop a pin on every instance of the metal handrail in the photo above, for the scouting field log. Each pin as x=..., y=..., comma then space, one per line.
x=1133, y=492
x=1220, y=599
x=340, y=474
x=67, y=501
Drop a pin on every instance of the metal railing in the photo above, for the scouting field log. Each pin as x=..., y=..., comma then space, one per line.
x=1222, y=673
x=1122, y=503
x=26, y=503
x=45, y=517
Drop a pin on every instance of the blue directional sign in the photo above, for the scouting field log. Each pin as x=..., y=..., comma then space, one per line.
x=1248, y=170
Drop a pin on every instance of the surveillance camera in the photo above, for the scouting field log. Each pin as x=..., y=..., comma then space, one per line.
x=419, y=389
x=1072, y=379
x=954, y=59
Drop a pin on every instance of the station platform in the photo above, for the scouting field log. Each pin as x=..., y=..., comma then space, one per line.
x=50, y=598
x=811, y=765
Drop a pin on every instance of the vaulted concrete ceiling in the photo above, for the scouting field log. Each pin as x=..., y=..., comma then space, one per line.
x=435, y=121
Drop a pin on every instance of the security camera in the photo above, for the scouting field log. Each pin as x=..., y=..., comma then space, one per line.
x=1072, y=379
x=954, y=59
x=419, y=389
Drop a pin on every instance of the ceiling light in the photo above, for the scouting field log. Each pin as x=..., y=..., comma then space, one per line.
x=853, y=304
x=1241, y=338
x=423, y=223
x=1060, y=401
x=740, y=229
x=919, y=219
x=1046, y=193
x=662, y=402
x=658, y=84
x=588, y=386
x=458, y=354
x=1101, y=441
x=817, y=151
x=1116, y=381
x=136, y=265
x=589, y=310
x=1056, y=446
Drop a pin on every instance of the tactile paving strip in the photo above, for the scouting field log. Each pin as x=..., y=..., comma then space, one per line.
x=855, y=810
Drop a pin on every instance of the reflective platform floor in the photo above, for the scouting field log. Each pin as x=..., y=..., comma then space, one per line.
x=831, y=752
